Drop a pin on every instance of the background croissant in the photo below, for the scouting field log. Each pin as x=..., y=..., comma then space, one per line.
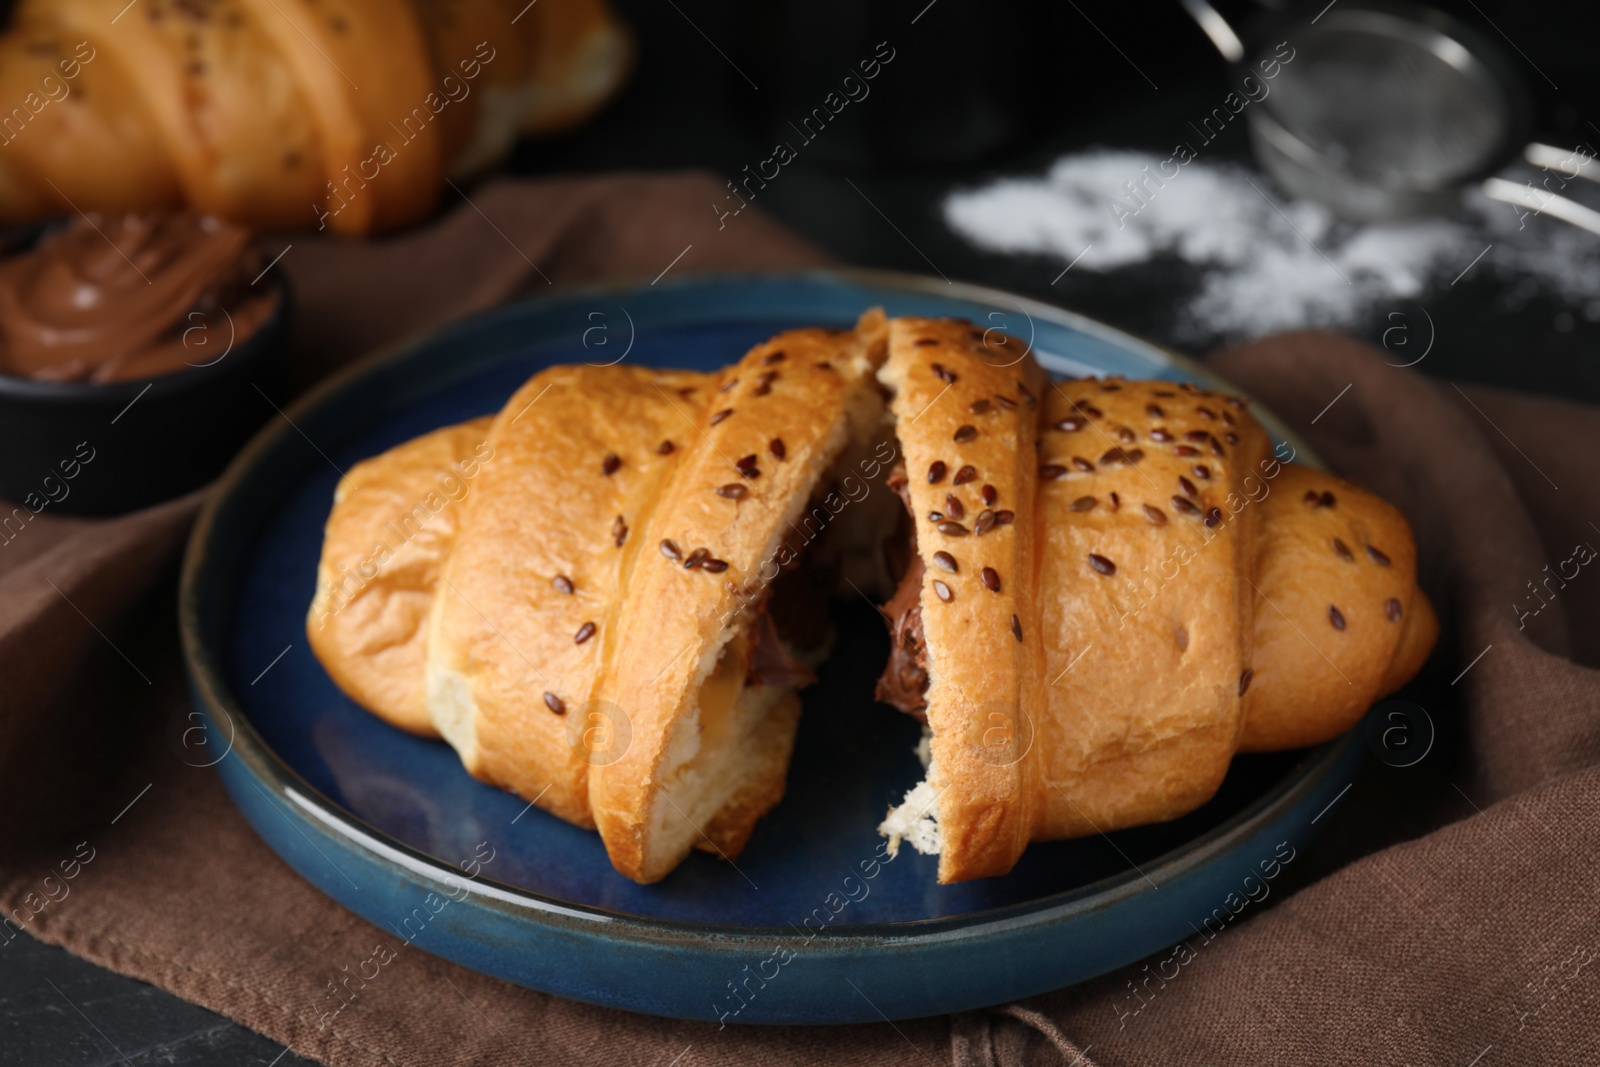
x=344, y=114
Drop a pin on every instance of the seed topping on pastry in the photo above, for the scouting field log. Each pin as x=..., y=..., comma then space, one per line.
x=945, y=561
x=665, y=448
x=619, y=531
x=719, y=416
x=585, y=632
x=1336, y=617
x=1378, y=556
x=554, y=703
x=965, y=474
x=562, y=583
x=610, y=464
x=1102, y=564
x=991, y=579
x=936, y=471
x=943, y=591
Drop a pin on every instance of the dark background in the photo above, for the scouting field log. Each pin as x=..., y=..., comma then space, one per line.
x=975, y=90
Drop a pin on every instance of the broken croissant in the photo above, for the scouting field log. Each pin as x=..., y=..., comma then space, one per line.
x=606, y=596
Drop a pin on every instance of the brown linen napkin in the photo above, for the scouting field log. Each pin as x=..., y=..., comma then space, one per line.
x=1471, y=941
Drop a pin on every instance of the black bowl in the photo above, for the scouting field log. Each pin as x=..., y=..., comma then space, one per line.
x=103, y=449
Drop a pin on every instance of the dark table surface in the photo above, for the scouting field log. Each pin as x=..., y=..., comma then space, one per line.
x=711, y=82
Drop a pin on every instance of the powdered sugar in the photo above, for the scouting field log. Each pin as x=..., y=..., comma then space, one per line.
x=1270, y=263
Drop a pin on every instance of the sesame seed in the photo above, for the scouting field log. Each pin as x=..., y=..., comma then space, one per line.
x=951, y=528
x=983, y=523
x=1125, y=435
x=1156, y=516
x=772, y=357
x=943, y=591
x=1182, y=637
x=714, y=566
x=953, y=507
x=989, y=494
x=1088, y=409
x=936, y=471
x=980, y=406
x=1184, y=506
x=965, y=475
x=553, y=702
x=609, y=465
x=1201, y=471
x=1185, y=450
x=1027, y=397
x=665, y=448
x=1206, y=413
x=745, y=461
x=719, y=416
x=1116, y=501
x=1154, y=411
x=1213, y=518
x=728, y=385
x=761, y=389
x=1161, y=435
x=776, y=447
x=697, y=557
x=1325, y=500
x=1343, y=550
x=733, y=491
x=1244, y=680
x=1310, y=499
x=1186, y=485
x=619, y=531
x=1231, y=437
x=1070, y=425
x=991, y=579
x=1005, y=402
x=585, y=632
x=1197, y=435
x=1050, y=472
x=923, y=342
x=1101, y=564
x=1216, y=447
x=965, y=433
x=1016, y=627
x=1378, y=556
x=562, y=583
x=1082, y=464
x=1391, y=610
x=1336, y=617
x=670, y=549
x=1083, y=503
x=945, y=561
x=943, y=373
x=1003, y=517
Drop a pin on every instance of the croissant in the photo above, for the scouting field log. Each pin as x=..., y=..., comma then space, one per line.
x=606, y=596
x=605, y=599
x=1124, y=585
x=347, y=114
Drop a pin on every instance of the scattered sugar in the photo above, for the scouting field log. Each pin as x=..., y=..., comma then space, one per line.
x=1269, y=264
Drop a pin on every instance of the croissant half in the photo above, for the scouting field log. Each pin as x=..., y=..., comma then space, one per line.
x=1166, y=591
x=606, y=596
x=344, y=114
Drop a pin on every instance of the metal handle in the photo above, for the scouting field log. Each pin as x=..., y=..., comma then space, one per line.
x=1214, y=26
x=1557, y=159
x=1561, y=207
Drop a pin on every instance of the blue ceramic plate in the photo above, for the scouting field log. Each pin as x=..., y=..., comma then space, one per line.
x=813, y=926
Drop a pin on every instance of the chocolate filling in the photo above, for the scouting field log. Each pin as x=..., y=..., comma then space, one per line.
x=792, y=614
x=904, y=684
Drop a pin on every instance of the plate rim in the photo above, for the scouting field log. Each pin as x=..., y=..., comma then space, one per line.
x=265, y=766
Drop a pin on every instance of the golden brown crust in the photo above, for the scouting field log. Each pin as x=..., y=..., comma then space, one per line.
x=288, y=113
x=392, y=524
x=1147, y=539
x=959, y=403
x=546, y=516
x=784, y=412
x=1339, y=621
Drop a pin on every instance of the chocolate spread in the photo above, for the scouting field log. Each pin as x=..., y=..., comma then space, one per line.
x=904, y=684
x=770, y=660
x=119, y=297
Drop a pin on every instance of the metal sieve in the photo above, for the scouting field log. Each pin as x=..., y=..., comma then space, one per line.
x=1387, y=110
